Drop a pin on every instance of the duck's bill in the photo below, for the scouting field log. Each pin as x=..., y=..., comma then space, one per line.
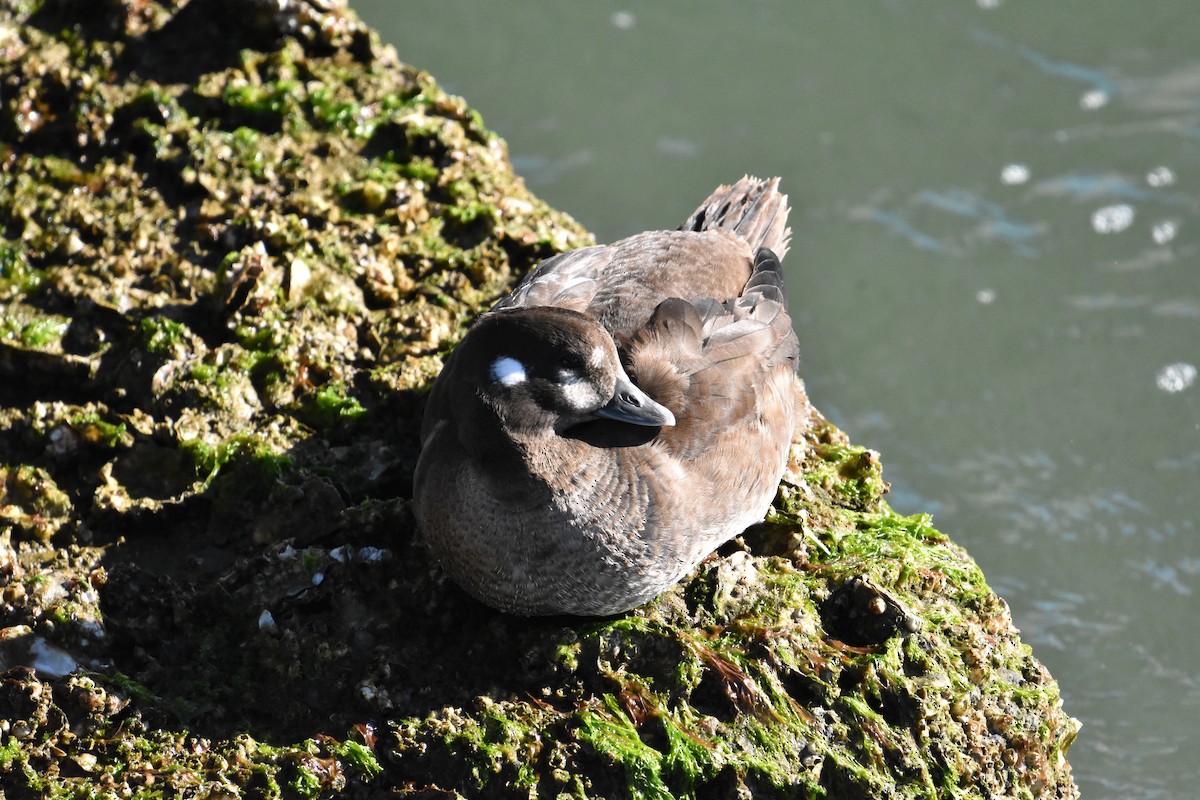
x=630, y=404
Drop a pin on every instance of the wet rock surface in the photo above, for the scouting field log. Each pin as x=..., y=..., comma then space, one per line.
x=237, y=239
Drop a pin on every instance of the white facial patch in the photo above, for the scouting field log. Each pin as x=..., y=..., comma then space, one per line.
x=597, y=357
x=576, y=391
x=579, y=394
x=508, y=370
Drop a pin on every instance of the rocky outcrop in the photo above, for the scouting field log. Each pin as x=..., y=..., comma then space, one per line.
x=237, y=239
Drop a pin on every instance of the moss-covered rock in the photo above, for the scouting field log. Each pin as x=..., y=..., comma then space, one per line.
x=237, y=240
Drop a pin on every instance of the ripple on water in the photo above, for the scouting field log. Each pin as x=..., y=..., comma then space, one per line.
x=1174, y=378
x=1176, y=577
x=1014, y=174
x=1112, y=219
x=1160, y=176
x=1164, y=231
x=623, y=20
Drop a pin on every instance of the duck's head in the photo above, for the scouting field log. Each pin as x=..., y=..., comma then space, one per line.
x=546, y=369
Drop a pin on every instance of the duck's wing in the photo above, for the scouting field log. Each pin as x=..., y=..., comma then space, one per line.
x=620, y=284
x=711, y=255
x=755, y=322
x=720, y=364
x=568, y=280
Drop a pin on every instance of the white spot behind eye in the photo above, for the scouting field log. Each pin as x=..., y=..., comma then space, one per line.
x=508, y=370
x=597, y=357
x=580, y=395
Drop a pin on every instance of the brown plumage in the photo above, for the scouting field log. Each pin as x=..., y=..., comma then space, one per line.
x=623, y=412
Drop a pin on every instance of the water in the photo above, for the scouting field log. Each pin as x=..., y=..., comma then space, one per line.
x=994, y=273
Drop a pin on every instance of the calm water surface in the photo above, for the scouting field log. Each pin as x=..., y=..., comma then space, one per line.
x=994, y=273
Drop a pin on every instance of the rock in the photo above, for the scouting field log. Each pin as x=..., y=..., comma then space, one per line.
x=239, y=237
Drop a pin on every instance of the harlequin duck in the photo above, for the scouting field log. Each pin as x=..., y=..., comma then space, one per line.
x=623, y=412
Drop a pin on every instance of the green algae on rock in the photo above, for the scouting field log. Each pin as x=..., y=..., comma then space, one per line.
x=238, y=239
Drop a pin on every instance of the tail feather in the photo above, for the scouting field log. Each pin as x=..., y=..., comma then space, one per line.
x=752, y=208
x=767, y=278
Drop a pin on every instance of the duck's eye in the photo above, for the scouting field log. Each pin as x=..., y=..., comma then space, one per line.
x=508, y=371
x=571, y=370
